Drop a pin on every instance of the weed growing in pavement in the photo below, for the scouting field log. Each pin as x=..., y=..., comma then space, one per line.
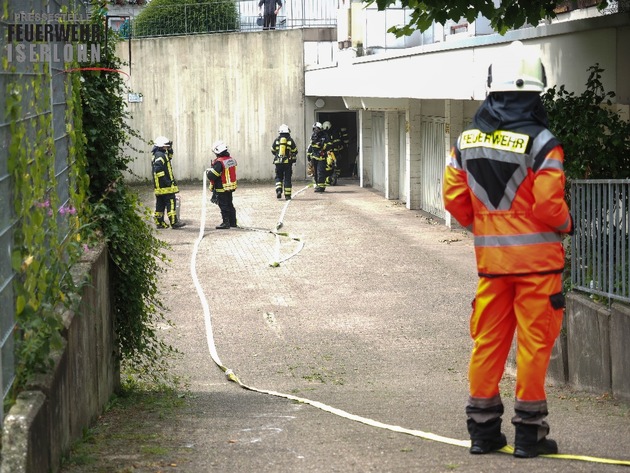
x=133, y=433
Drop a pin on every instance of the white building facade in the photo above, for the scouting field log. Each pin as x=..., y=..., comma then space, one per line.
x=411, y=97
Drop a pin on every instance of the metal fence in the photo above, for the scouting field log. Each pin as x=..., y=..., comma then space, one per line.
x=7, y=223
x=224, y=16
x=51, y=101
x=600, y=260
x=433, y=149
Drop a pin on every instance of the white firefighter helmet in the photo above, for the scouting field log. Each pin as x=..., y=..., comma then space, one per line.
x=326, y=125
x=219, y=147
x=161, y=142
x=518, y=70
x=284, y=129
x=317, y=125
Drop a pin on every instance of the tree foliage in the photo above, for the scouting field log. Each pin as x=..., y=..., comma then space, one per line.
x=596, y=140
x=137, y=255
x=177, y=17
x=509, y=14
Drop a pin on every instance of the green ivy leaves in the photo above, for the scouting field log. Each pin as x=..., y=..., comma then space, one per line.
x=138, y=257
x=595, y=139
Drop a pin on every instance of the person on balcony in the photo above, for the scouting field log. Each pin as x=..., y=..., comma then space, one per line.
x=269, y=12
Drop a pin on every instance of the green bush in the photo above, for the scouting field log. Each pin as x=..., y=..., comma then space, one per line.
x=138, y=257
x=595, y=139
x=596, y=143
x=178, y=17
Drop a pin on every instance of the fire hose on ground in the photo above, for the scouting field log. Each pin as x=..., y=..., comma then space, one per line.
x=508, y=449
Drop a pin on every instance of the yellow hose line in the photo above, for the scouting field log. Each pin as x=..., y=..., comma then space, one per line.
x=324, y=407
x=416, y=433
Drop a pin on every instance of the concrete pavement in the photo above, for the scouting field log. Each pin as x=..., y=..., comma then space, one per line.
x=370, y=317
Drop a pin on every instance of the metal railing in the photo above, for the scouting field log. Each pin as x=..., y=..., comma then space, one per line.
x=225, y=16
x=600, y=260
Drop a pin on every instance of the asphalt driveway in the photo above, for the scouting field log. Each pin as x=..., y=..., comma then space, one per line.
x=367, y=313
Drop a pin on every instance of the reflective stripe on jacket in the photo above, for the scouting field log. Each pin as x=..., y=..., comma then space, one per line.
x=508, y=187
x=225, y=168
x=284, y=149
x=163, y=178
x=319, y=146
x=335, y=141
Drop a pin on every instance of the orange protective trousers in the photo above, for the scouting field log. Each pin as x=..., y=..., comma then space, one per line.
x=505, y=304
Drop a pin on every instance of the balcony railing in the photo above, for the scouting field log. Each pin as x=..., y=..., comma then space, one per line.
x=222, y=16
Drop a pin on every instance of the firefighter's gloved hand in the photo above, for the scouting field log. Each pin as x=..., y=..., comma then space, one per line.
x=215, y=198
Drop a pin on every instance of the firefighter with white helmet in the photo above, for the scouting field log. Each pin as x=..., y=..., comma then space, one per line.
x=334, y=148
x=316, y=155
x=284, y=151
x=505, y=182
x=164, y=184
x=520, y=70
x=222, y=178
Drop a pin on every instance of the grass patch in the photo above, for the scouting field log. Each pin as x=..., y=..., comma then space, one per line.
x=135, y=431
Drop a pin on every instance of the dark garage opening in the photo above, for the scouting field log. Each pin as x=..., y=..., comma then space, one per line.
x=347, y=158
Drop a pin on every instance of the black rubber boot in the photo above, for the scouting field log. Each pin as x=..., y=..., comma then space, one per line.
x=479, y=447
x=544, y=447
x=224, y=226
x=527, y=444
x=278, y=193
x=485, y=437
x=178, y=224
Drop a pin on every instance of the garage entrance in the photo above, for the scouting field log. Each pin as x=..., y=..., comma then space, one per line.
x=345, y=125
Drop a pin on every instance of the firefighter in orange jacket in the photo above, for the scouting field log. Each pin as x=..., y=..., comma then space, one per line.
x=505, y=182
x=222, y=177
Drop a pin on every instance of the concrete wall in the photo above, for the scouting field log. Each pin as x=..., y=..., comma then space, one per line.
x=620, y=350
x=588, y=344
x=56, y=408
x=598, y=352
x=238, y=87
